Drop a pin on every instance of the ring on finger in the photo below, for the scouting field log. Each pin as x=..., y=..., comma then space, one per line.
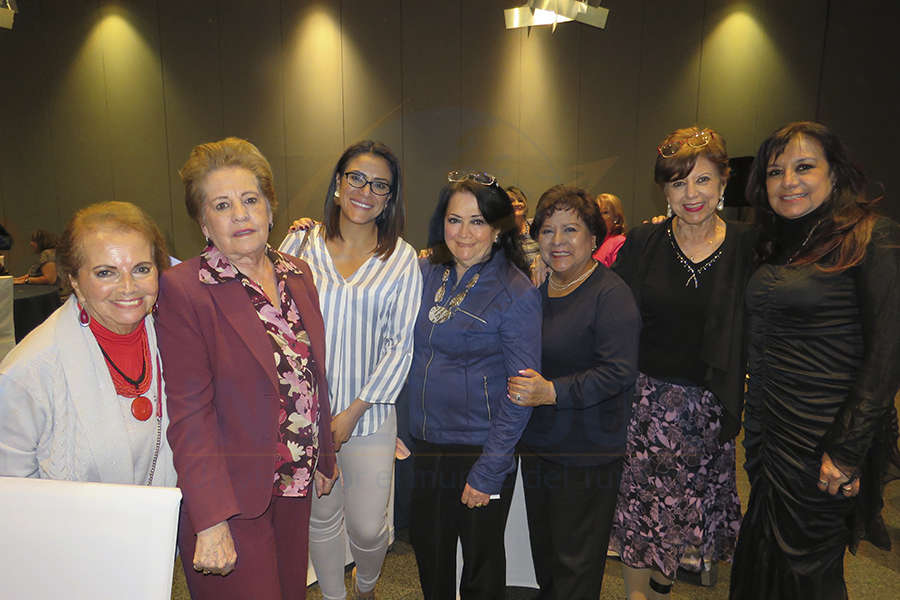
x=823, y=482
x=518, y=397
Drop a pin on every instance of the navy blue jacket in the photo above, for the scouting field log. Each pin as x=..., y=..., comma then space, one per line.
x=456, y=392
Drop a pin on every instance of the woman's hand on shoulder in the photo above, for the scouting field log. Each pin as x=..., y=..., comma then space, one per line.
x=473, y=498
x=214, y=553
x=530, y=388
x=539, y=271
x=302, y=224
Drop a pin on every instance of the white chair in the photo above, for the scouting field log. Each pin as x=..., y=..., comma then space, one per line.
x=74, y=540
x=7, y=325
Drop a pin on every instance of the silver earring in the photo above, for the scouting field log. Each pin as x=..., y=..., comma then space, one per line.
x=337, y=193
x=668, y=210
x=721, y=203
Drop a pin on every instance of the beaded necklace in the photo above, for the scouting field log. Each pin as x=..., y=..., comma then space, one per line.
x=693, y=270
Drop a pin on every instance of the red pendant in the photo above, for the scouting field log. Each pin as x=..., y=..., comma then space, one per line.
x=141, y=408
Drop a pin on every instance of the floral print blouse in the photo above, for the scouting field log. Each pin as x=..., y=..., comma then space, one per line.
x=297, y=449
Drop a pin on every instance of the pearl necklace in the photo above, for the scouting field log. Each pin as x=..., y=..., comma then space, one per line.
x=559, y=287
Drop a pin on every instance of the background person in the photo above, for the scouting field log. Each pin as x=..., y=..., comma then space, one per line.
x=823, y=325
x=614, y=218
x=573, y=445
x=678, y=496
x=82, y=396
x=243, y=340
x=43, y=272
x=479, y=324
x=369, y=287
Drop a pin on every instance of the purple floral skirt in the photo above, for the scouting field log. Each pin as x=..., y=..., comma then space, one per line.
x=678, y=492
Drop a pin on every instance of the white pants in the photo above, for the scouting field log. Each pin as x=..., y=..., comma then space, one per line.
x=358, y=502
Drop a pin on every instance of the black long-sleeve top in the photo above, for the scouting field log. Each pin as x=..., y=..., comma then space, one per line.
x=589, y=350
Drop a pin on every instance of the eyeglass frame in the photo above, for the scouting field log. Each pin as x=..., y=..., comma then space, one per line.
x=704, y=135
x=369, y=182
x=479, y=177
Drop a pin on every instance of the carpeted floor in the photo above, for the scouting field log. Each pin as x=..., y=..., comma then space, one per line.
x=871, y=574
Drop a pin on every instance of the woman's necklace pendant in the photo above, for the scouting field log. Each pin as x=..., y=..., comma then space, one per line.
x=141, y=408
x=438, y=314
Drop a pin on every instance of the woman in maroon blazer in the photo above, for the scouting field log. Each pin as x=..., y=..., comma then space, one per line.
x=242, y=342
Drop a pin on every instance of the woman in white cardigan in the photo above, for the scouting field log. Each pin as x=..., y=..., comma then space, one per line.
x=81, y=397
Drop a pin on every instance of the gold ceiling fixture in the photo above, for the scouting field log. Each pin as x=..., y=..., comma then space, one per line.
x=552, y=12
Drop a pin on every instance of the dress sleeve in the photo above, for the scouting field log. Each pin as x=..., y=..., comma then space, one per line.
x=520, y=336
x=617, y=326
x=386, y=380
x=878, y=288
x=193, y=429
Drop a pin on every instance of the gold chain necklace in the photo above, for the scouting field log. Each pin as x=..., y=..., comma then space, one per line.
x=559, y=287
x=440, y=314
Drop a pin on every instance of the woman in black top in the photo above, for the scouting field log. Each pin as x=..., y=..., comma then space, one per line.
x=824, y=347
x=678, y=498
x=572, y=447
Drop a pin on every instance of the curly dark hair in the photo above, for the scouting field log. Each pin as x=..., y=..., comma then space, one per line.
x=565, y=197
x=496, y=208
x=840, y=240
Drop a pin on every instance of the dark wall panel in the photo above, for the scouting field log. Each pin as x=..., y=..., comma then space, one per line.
x=671, y=39
x=431, y=108
x=313, y=103
x=193, y=99
x=135, y=119
x=609, y=62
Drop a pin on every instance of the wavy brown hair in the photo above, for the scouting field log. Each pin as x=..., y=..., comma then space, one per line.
x=682, y=162
x=840, y=240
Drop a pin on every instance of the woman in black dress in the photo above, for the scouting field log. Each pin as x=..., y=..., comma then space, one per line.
x=573, y=445
x=823, y=357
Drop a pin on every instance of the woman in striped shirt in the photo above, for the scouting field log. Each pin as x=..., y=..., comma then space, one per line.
x=369, y=288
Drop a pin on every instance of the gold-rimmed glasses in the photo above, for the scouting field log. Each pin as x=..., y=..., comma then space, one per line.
x=477, y=177
x=668, y=149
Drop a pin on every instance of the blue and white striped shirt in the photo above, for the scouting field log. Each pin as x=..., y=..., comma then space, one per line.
x=369, y=319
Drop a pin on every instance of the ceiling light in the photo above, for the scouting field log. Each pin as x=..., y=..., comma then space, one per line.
x=551, y=12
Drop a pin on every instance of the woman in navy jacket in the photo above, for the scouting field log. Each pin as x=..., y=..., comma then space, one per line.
x=479, y=324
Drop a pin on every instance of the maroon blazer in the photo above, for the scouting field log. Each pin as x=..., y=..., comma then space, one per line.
x=222, y=391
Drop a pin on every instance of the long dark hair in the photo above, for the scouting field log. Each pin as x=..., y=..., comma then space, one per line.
x=497, y=210
x=840, y=240
x=392, y=219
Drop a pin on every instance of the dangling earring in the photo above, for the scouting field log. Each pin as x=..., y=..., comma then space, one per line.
x=270, y=228
x=721, y=204
x=84, y=319
x=668, y=211
x=208, y=242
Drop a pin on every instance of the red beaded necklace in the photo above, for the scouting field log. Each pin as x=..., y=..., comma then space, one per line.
x=125, y=353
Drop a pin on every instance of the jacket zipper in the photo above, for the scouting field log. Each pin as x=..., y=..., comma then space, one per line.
x=471, y=315
x=425, y=381
x=487, y=401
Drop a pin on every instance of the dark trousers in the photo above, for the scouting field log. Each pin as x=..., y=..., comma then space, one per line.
x=438, y=518
x=272, y=555
x=570, y=512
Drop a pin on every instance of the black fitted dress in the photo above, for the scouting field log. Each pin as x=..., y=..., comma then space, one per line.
x=823, y=364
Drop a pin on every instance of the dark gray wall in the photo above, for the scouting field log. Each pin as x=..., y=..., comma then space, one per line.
x=103, y=100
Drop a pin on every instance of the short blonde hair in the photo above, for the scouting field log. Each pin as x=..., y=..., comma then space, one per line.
x=117, y=216
x=230, y=152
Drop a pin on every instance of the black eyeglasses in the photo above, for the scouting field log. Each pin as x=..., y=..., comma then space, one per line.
x=477, y=177
x=379, y=187
x=697, y=140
